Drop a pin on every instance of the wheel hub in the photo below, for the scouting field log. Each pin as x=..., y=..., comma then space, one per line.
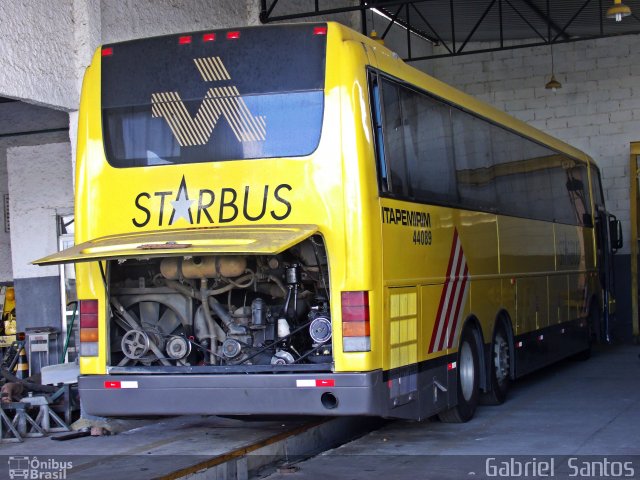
x=501, y=358
x=467, y=371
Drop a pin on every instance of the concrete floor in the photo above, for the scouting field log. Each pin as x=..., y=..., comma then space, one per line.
x=149, y=448
x=570, y=409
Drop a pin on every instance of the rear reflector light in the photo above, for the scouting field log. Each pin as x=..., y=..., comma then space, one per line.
x=320, y=382
x=89, y=333
x=184, y=40
x=356, y=344
x=107, y=51
x=233, y=35
x=320, y=30
x=355, y=322
x=208, y=37
x=89, y=349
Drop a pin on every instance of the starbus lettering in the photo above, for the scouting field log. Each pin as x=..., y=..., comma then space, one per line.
x=210, y=206
x=411, y=218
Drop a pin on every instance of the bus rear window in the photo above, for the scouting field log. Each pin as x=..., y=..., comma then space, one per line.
x=256, y=94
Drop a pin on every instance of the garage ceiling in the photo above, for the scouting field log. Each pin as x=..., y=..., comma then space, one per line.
x=19, y=118
x=459, y=26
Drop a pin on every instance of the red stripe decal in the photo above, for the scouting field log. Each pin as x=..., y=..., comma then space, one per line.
x=325, y=383
x=444, y=292
x=456, y=315
x=455, y=295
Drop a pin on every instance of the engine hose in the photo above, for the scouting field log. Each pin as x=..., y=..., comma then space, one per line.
x=233, y=284
x=239, y=284
x=226, y=317
x=212, y=304
x=208, y=319
x=277, y=281
x=285, y=309
x=183, y=289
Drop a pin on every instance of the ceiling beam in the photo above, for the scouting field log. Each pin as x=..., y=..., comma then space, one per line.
x=545, y=17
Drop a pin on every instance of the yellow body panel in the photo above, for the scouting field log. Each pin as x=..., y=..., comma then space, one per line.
x=268, y=240
x=396, y=250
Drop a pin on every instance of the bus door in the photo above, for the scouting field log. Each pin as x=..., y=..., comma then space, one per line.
x=608, y=241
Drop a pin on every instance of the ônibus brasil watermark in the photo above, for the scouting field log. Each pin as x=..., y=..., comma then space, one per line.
x=34, y=468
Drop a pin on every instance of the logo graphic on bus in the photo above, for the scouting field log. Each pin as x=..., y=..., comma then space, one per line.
x=217, y=102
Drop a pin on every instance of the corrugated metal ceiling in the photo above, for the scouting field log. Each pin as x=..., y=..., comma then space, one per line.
x=459, y=25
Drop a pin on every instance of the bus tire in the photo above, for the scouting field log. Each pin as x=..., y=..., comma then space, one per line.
x=500, y=358
x=468, y=381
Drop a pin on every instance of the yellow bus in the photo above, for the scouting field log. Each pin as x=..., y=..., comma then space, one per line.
x=290, y=220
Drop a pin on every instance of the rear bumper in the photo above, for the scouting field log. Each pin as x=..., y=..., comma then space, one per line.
x=265, y=394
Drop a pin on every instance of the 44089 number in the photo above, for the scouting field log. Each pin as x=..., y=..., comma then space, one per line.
x=422, y=237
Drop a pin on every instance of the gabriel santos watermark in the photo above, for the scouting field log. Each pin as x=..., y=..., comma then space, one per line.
x=561, y=467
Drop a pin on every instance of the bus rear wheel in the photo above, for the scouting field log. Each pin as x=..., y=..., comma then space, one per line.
x=500, y=368
x=468, y=372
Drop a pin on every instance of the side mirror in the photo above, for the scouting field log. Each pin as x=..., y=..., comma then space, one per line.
x=615, y=233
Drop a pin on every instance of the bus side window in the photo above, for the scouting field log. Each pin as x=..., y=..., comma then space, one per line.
x=394, y=139
x=376, y=113
x=429, y=152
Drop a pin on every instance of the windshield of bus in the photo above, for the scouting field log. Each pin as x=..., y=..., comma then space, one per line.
x=212, y=96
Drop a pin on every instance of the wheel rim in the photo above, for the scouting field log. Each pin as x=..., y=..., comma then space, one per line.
x=467, y=371
x=501, y=358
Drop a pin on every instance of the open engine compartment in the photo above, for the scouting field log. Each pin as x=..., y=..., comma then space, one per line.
x=223, y=311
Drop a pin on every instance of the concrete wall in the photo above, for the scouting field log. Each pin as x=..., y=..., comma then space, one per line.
x=124, y=20
x=37, y=52
x=37, y=194
x=6, y=270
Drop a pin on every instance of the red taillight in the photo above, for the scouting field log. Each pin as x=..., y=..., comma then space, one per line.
x=208, y=37
x=319, y=30
x=355, y=306
x=107, y=51
x=355, y=322
x=233, y=35
x=184, y=40
x=89, y=333
x=89, y=313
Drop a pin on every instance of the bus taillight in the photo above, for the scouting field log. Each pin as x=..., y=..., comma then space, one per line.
x=355, y=322
x=184, y=40
x=233, y=35
x=89, y=336
x=320, y=30
x=107, y=51
x=208, y=37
